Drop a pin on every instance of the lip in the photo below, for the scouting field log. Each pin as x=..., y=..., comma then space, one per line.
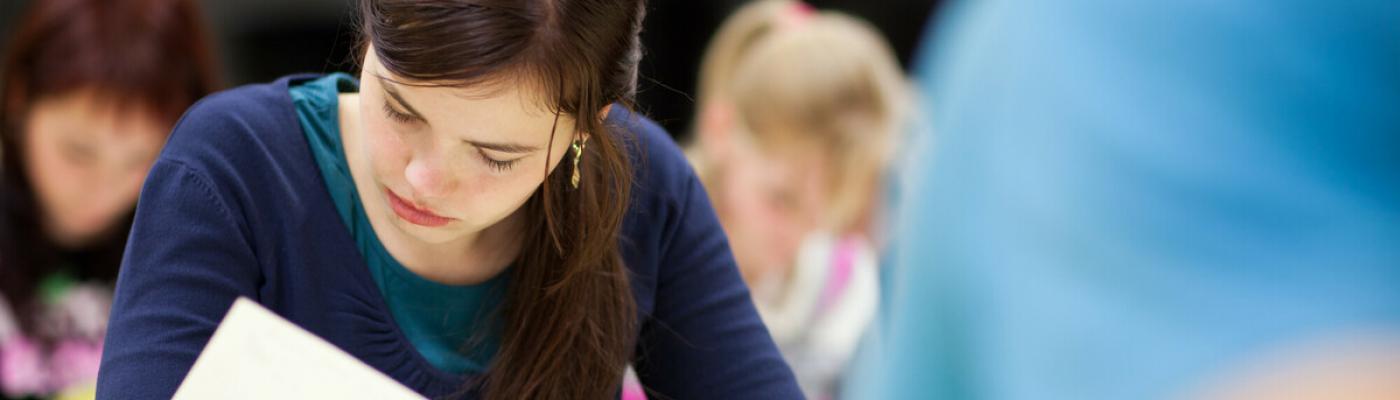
x=414, y=214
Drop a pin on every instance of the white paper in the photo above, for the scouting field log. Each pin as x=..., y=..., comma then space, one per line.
x=255, y=354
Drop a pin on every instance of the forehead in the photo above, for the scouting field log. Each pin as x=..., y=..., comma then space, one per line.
x=785, y=164
x=91, y=111
x=501, y=108
x=479, y=111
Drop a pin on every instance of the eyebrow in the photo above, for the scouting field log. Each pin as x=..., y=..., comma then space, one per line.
x=389, y=88
x=501, y=147
x=504, y=147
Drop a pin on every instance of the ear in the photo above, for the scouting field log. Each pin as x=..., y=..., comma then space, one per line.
x=602, y=116
x=716, y=130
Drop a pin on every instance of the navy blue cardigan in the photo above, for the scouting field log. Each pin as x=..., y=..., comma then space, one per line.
x=235, y=206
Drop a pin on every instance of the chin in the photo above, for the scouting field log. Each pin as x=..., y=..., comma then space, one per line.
x=429, y=235
x=77, y=238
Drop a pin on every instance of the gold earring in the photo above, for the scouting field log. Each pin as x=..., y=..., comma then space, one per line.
x=578, y=155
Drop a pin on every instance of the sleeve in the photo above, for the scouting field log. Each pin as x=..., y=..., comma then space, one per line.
x=704, y=338
x=186, y=260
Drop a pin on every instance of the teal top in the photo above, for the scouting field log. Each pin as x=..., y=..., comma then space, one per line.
x=439, y=320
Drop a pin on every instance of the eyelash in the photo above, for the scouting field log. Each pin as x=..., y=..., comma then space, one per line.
x=396, y=115
x=499, y=166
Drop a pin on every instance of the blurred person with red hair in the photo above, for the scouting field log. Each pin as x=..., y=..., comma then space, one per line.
x=88, y=92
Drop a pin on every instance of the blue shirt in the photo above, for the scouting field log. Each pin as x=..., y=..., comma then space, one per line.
x=1126, y=200
x=438, y=319
x=236, y=206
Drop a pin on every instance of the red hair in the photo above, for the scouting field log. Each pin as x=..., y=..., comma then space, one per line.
x=144, y=52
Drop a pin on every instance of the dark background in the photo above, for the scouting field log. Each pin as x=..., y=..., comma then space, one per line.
x=259, y=40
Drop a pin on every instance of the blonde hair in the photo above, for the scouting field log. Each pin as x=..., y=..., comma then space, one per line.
x=793, y=75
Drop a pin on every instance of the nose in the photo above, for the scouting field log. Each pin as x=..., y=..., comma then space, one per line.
x=428, y=177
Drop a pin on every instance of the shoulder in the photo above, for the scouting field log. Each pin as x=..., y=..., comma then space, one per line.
x=241, y=149
x=661, y=172
x=235, y=126
x=666, y=199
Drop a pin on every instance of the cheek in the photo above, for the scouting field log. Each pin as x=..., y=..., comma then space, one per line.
x=387, y=153
x=489, y=197
x=739, y=192
x=481, y=199
x=132, y=186
x=815, y=203
x=749, y=197
x=749, y=220
x=495, y=198
x=55, y=177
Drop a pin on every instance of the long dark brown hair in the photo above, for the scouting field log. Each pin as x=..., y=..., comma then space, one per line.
x=148, y=54
x=568, y=320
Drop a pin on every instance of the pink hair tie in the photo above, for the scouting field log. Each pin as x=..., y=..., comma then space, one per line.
x=797, y=14
x=803, y=9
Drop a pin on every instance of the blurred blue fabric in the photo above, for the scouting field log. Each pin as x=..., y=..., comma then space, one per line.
x=1122, y=200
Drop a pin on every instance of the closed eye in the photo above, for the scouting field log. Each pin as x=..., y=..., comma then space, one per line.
x=397, y=115
x=498, y=165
